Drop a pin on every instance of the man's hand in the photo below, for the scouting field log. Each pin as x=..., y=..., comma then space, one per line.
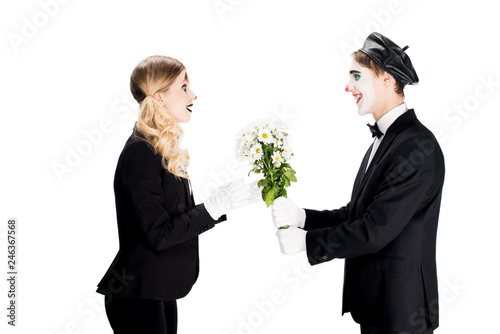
x=292, y=240
x=285, y=212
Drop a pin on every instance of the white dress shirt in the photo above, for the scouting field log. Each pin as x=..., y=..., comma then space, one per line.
x=383, y=124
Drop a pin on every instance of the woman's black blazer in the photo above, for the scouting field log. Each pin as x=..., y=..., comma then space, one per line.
x=158, y=227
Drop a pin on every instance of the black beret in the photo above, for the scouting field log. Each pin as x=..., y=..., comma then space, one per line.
x=388, y=55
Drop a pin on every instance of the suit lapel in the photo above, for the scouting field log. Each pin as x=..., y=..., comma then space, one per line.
x=361, y=172
x=189, y=196
x=185, y=182
x=396, y=127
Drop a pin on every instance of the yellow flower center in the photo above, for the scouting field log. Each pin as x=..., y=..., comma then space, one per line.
x=257, y=150
x=264, y=135
x=277, y=158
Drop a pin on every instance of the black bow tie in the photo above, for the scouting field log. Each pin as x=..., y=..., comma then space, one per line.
x=375, y=130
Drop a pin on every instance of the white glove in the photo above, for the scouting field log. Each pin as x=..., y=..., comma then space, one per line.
x=230, y=196
x=292, y=240
x=285, y=212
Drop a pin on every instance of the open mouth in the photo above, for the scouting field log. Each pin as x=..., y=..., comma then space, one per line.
x=189, y=107
x=357, y=97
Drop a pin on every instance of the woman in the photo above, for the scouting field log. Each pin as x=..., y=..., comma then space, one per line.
x=158, y=222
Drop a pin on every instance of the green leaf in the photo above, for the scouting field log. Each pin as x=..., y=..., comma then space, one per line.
x=269, y=198
x=266, y=182
x=290, y=173
x=285, y=165
x=276, y=190
x=254, y=170
x=286, y=180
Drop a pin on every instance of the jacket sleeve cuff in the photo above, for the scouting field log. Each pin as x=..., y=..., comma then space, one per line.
x=310, y=217
x=318, y=251
x=221, y=219
x=213, y=216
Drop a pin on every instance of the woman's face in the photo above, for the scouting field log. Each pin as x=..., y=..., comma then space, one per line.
x=178, y=98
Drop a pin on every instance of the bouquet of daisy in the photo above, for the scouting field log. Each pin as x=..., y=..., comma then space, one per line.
x=264, y=145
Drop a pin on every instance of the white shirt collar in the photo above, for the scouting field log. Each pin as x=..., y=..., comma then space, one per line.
x=386, y=121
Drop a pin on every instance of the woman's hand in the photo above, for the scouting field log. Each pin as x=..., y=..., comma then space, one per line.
x=230, y=196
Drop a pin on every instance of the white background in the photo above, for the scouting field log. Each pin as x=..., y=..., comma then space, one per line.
x=69, y=72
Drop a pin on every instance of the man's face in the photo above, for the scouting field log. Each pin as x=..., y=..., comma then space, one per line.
x=361, y=85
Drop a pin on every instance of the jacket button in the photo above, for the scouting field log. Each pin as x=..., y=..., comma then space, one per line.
x=324, y=257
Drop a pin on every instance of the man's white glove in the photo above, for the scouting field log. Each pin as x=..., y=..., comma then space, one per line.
x=230, y=196
x=285, y=212
x=292, y=240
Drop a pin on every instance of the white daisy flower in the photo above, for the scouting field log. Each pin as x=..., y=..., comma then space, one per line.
x=287, y=154
x=256, y=152
x=277, y=159
x=257, y=126
x=278, y=143
x=245, y=142
x=278, y=131
x=265, y=136
x=242, y=154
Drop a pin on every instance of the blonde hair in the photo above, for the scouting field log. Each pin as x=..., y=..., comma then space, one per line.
x=152, y=75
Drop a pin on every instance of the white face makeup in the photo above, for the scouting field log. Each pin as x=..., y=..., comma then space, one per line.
x=361, y=86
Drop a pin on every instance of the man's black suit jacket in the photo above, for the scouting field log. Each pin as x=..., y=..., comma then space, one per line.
x=158, y=228
x=387, y=232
